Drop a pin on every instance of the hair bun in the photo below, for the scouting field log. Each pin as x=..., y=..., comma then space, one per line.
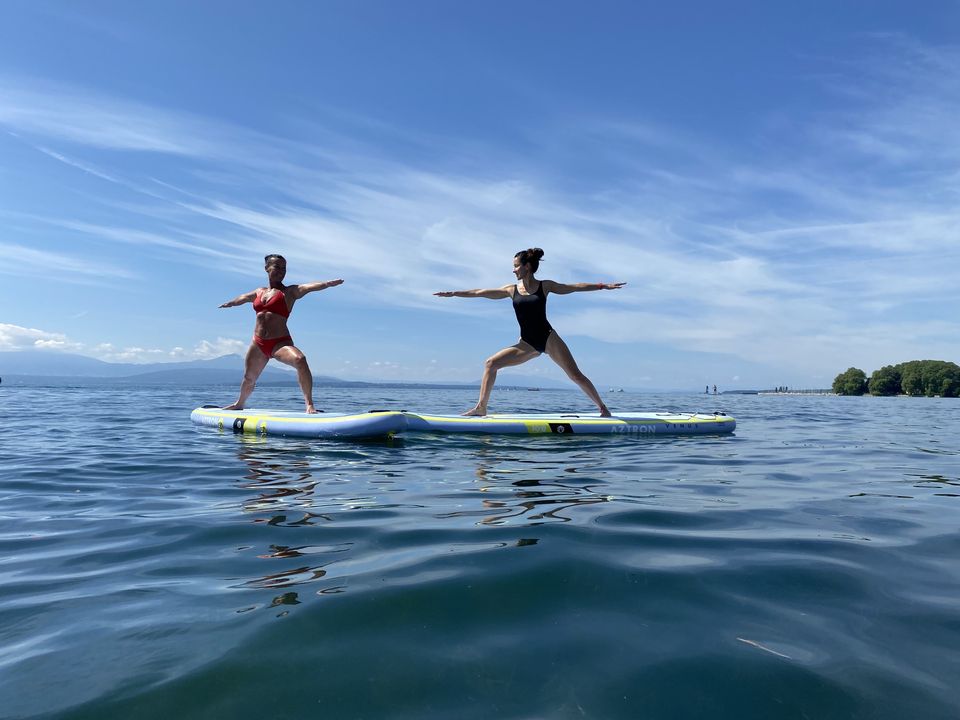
x=531, y=257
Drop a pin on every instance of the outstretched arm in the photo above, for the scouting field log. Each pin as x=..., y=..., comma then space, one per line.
x=492, y=294
x=241, y=299
x=303, y=288
x=549, y=286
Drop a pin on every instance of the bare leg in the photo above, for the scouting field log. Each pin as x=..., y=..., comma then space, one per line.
x=559, y=352
x=513, y=355
x=254, y=364
x=290, y=355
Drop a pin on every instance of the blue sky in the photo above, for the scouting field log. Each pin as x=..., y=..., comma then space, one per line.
x=778, y=183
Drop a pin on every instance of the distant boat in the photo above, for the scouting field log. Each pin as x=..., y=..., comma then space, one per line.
x=534, y=389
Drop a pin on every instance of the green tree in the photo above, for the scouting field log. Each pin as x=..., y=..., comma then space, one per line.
x=940, y=378
x=911, y=380
x=885, y=381
x=851, y=382
x=950, y=382
x=930, y=377
x=916, y=377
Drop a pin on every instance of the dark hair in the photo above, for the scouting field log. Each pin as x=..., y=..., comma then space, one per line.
x=274, y=256
x=531, y=256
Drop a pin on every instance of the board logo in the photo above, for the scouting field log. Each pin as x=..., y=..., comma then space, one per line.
x=633, y=429
x=238, y=424
x=561, y=428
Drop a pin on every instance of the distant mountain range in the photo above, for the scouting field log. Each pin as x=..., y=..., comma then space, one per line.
x=35, y=367
x=40, y=362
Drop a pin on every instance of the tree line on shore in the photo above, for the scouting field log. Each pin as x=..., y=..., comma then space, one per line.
x=916, y=377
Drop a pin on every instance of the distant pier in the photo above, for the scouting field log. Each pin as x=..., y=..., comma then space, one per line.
x=793, y=391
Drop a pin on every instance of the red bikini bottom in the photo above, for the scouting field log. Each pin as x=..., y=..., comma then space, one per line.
x=268, y=345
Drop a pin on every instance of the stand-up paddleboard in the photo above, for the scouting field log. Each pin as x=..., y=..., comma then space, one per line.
x=628, y=423
x=376, y=423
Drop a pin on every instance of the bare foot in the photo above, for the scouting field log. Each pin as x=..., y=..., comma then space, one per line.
x=476, y=412
x=604, y=412
x=235, y=406
x=311, y=410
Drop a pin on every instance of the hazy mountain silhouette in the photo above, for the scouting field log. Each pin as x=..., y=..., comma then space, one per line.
x=48, y=367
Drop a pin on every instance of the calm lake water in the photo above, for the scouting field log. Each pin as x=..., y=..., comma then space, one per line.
x=807, y=566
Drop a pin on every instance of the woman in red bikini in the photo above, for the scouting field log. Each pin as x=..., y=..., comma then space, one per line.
x=271, y=339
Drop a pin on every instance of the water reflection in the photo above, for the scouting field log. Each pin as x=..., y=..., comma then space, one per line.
x=513, y=486
x=276, y=475
x=284, y=578
x=399, y=510
x=288, y=598
x=532, y=506
x=934, y=481
x=544, y=492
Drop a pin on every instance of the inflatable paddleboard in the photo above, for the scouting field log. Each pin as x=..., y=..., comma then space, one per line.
x=376, y=423
x=627, y=423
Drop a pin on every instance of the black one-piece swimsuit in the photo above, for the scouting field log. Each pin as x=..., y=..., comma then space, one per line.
x=531, y=313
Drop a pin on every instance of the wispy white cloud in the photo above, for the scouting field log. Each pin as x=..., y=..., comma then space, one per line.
x=906, y=98
x=213, y=248
x=207, y=349
x=42, y=109
x=19, y=259
x=14, y=337
x=85, y=167
x=204, y=350
x=792, y=256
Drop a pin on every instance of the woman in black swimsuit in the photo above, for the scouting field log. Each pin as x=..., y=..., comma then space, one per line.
x=529, y=297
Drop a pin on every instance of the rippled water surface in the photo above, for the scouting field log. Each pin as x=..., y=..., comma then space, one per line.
x=807, y=566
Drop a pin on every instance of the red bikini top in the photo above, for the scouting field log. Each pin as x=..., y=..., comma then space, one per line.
x=276, y=304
